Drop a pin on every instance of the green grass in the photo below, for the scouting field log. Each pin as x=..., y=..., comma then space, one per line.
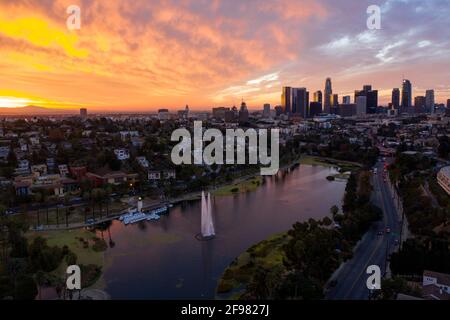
x=267, y=254
x=248, y=185
x=344, y=166
x=70, y=238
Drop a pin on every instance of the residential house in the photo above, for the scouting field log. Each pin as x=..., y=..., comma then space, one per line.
x=122, y=154
x=435, y=285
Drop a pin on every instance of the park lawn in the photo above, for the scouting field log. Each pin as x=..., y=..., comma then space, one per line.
x=70, y=238
x=344, y=166
x=266, y=254
x=248, y=185
x=85, y=256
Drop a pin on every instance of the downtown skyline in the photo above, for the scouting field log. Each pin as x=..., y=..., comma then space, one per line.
x=141, y=56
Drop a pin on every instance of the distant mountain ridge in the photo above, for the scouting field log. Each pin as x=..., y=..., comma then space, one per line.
x=35, y=110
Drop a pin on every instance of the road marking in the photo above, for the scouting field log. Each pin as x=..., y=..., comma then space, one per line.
x=378, y=244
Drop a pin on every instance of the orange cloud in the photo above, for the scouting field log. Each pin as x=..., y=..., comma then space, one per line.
x=141, y=54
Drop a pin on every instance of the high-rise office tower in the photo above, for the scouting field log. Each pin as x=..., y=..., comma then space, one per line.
x=361, y=105
x=419, y=104
x=367, y=87
x=406, y=94
x=318, y=96
x=243, y=113
x=315, y=108
x=266, y=110
x=448, y=103
x=83, y=113
x=346, y=100
x=327, y=96
x=300, y=101
x=286, y=100
x=371, y=98
x=396, y=98
x=429, y=100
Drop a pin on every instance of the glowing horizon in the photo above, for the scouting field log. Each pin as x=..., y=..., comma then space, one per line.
x=144, y=55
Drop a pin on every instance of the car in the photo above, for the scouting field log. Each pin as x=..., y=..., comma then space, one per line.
x=90, y=221
x=388, y=230
x=396, y=242
x=380, y=233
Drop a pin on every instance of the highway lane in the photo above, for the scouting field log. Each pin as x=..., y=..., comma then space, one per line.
x=372, y=249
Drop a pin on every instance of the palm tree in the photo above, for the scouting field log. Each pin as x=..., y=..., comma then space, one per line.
x=46, y=200
x=57, y=215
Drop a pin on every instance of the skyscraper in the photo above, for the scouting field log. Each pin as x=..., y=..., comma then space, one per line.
x=266, y=110
x=371, y=98
x=300, y=101
x=419, y=104
x=448, y=103
x=318, y=96
x=243, y=113
x=327, y=96
x=429, y=100
x=361, y=105
x=396, y=98
x=286, y=100
x=406, y=94
x=346, y=100
x=83, y=113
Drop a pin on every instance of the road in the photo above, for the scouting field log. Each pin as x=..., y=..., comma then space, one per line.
x=373, y=249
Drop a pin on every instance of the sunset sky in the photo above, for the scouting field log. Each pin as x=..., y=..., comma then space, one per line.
x=148, y=54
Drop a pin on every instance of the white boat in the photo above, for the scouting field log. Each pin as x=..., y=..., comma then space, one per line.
x=135, y=218
x=153, y=217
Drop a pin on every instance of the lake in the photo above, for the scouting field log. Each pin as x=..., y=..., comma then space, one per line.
x=164, y=260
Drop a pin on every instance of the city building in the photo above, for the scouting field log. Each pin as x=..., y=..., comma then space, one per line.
x=300, y=102
x=443, y=179
x=371, y=98
x=286, y=100
x=429, y=100
x=122, y=154
x=327, y=96
x=315, y=108
x=448, y=103
x=435, y=285
x=83, y=113
x=406, y=95
x=346, y=100
x=163, y=114
x=266, y=110
x=318, y=96
x=63, y=170
x=219, y=113
x=419, y=104
x=143, y=162
x=346, y=110
x=278, y=111
x=243, y=113
x=361, y=105
x=396, y=98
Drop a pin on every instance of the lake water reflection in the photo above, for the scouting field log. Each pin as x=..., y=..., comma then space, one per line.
x=163, y=260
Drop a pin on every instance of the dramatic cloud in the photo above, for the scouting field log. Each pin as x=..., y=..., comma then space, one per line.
x=145, y=54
